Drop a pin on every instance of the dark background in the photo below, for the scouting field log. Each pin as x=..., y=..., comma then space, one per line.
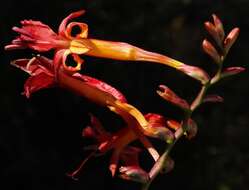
x=40, y=137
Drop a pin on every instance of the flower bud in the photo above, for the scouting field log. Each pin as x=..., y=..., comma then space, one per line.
x=211, y=51
x=167, y=94
x=213, y=98
x=232, y=71
x=230, y=39
x=211, y=29
x=219, y=27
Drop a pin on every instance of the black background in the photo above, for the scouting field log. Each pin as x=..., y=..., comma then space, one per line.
x=40, y=137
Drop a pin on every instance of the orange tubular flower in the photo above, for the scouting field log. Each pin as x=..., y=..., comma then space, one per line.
x=40, y=37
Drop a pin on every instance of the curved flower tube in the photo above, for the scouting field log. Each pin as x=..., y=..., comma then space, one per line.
x=40, y=37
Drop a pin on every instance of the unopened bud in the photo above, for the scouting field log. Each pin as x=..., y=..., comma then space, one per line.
x=219, y=27
x=211, y=51
x=211, y=29
x=230, y=39
x=232, y=71
x=167, y=94
x=213, y=98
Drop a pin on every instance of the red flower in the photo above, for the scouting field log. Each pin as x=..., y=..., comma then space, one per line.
x=38, y=36
x=42, y=76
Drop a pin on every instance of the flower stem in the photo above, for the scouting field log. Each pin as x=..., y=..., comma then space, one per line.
x=160, y=164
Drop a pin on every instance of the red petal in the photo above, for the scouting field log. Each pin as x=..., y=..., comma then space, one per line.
x=102, y=86
x=62, y=27
x=35, y=65
x=155, y=119
x=35, y=35
x=37, y=82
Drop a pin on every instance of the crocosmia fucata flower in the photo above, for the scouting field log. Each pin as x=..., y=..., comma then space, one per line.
x=42, y=75
x=40, y=37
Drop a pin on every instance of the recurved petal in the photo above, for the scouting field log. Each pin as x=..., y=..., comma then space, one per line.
x=83, y=30
x=76, y=58
x=62, y=27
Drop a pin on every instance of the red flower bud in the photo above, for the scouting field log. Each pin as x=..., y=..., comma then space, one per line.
x=232, y=71
x=219, y=27
x=213, y=98
x=211, y=29
x=211, y=51
x=230, y=39
x=167, y=94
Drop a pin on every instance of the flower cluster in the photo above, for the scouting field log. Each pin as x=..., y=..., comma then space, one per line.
x=45, y=73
